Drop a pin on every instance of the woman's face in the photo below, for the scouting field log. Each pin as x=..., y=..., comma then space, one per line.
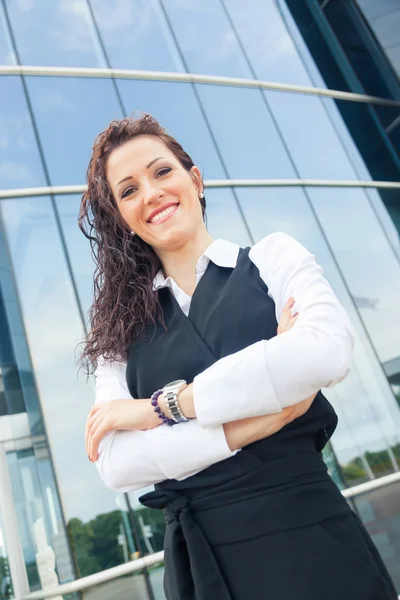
x=156, y=196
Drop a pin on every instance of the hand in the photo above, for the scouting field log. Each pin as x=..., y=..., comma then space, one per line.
x=287, y=320
x=115, y=415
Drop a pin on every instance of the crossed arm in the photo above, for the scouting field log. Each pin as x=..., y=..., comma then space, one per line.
x=134, y=451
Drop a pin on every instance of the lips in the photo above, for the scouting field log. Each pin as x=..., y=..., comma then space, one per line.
x=160, y=210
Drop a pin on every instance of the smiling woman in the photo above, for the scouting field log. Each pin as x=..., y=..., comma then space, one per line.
x=200, y=391
x=137, y=171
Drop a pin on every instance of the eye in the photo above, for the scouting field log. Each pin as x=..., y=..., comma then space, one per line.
x=164, y=171
x=128, y=192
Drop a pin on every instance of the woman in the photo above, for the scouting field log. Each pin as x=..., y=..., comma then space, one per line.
x=228, y=419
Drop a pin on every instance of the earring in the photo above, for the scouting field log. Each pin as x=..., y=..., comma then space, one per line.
x=133, y=233
x=201, y=196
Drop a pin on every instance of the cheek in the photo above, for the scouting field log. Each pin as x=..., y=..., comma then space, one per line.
x=130, y=212
x=190, y=199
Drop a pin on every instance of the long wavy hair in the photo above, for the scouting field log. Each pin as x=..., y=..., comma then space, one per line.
x=125, y=266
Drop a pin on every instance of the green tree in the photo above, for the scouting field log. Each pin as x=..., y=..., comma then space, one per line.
x=353, y=471
x=106, y=550
x=81, y=537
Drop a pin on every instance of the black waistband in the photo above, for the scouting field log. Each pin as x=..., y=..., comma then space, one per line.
x=291, y=492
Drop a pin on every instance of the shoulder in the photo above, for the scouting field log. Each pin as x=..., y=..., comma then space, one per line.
x=276, y=248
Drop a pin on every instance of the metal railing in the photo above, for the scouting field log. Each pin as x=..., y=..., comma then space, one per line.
x=84, y=583
x=158, y=558
x=95, y=72
x=214, y=183
x=368, y=486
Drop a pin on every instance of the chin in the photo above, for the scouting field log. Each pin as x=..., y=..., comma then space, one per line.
x=173, y=239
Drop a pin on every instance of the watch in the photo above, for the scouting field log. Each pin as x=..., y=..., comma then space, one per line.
x=171, y=391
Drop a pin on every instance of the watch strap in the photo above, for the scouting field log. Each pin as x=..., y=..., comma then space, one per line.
x=172, y=404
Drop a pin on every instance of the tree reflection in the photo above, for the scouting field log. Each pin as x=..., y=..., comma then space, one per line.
x=97, y=544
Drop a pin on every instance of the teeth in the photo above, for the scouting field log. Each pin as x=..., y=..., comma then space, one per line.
x=163, y=214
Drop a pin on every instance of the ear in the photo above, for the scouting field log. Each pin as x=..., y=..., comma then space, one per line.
x=197, y=179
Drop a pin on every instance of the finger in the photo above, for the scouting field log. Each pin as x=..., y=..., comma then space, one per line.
x=92, y=411
x=94, y=425
x=87, y=436
x=99, y=428
x=288, y=305
x=100, y=432
x=287, y=310
x=89, y=422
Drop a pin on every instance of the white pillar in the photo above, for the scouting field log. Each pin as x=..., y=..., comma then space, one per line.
x=15, y=554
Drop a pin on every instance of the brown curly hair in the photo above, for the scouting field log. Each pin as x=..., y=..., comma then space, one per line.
x=124, y=300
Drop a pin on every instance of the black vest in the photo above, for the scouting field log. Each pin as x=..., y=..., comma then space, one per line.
x=230, y=309
x=281, y=479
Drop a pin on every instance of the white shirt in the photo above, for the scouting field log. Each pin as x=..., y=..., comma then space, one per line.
x=263, y=378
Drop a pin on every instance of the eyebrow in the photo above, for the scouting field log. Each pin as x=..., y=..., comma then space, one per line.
x=147, y=167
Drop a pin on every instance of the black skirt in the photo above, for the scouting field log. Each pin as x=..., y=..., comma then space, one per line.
x=330, y=560
x=283, y=531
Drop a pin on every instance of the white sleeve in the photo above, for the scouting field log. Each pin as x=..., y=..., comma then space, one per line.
x=269, y=375
x=130, y=460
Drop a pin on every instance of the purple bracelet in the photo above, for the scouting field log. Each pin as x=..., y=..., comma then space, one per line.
x=157, y=409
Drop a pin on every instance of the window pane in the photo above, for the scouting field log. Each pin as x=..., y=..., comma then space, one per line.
x=7, y=55
x=35, y=500
x=69, y=114
x=367, y=261
x=176, y=107
x=245, y=132
x=17, y=371
x=206, y=38
x=310, y=136
x=56, y=33
x=136, y=35
x=369, y=418
x=269, y=45
x=78, y=248
x=379, y=510
x=20, y=164
x=384, y=19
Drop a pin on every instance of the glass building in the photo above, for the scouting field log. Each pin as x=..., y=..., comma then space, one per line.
x=294, y=119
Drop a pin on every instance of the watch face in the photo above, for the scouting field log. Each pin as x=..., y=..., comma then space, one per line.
x=174, y=384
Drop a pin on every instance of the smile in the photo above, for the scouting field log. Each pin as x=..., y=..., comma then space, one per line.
x=164, y=214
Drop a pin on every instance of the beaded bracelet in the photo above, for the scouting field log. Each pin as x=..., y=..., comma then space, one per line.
x=157, y=409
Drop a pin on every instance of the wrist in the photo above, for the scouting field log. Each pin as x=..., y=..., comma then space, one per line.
x=151, y=419
x=186, y=404
x=233, y=435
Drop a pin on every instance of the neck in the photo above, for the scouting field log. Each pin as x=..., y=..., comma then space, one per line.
x=180, y=264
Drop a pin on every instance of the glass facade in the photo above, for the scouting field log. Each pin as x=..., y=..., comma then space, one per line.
x=48, y=124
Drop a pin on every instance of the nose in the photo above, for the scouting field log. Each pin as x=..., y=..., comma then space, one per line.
x=151, y=193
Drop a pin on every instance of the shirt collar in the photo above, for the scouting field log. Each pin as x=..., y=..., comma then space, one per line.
x=220, y=252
